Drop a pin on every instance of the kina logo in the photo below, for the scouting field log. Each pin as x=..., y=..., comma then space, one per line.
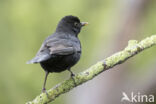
x=137, y=97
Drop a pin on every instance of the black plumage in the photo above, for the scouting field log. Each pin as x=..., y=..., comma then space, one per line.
x=61, y=50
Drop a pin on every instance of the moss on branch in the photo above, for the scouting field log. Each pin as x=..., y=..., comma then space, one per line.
x=134, y=47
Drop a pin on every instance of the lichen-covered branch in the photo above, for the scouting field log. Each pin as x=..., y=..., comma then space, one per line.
x=134, y=47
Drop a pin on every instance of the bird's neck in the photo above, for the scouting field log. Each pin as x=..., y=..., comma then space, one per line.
x=66, y=31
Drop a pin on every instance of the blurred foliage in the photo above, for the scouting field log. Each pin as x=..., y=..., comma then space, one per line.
x=24, y=24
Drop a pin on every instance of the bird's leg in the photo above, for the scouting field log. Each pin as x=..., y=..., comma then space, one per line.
x=72, y=76
x=45, y=79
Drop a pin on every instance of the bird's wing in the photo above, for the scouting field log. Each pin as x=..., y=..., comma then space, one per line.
x=51, y=47
x=60, y=47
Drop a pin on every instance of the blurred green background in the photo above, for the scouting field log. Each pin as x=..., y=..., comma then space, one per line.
x=24, y=24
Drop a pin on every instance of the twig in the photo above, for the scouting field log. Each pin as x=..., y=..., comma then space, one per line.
x=132, y=49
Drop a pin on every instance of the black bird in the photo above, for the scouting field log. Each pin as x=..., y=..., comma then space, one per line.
x=61, y=50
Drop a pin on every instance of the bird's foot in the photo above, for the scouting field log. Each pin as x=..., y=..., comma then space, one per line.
x=44, y=91
x=72, y=74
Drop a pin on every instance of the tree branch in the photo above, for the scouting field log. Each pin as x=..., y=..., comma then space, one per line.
x=134, y=47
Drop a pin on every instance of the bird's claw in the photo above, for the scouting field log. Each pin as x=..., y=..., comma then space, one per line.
x=45, y=91
x=72, y=74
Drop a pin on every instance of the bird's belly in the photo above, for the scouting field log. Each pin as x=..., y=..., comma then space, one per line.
x=60, y=63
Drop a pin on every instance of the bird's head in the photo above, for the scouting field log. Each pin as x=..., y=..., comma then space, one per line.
x=70, y=24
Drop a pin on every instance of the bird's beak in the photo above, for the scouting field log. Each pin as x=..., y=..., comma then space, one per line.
x=84, y=23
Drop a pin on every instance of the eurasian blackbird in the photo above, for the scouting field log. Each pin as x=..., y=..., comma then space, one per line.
x=61, y=50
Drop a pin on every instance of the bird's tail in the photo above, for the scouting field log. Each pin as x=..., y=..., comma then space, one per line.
x=33, y=61
x=39, y=58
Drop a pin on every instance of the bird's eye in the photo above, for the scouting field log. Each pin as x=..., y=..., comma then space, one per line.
x=75, y=24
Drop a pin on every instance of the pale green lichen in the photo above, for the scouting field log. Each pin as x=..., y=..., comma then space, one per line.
x=131, y=45
x=133, y=48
